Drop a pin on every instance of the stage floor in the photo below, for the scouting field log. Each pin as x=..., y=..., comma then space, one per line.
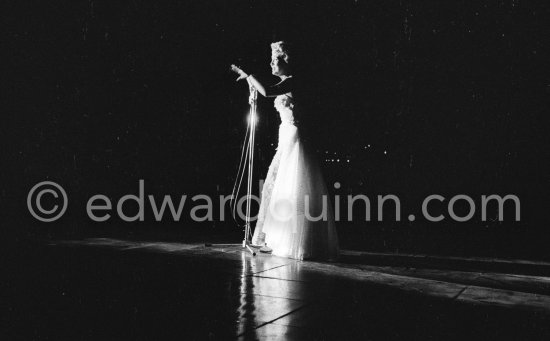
x=112, y=289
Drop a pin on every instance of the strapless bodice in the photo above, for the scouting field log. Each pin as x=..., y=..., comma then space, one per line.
x=285, y=105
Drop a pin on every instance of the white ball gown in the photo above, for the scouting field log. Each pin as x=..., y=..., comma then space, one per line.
x=295, y=217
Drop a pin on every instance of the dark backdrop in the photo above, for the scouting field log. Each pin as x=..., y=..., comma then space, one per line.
x=99, y=94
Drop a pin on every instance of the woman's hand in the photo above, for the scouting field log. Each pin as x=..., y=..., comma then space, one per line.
x=237, y=70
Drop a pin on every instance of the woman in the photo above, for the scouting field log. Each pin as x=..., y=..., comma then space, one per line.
x=295, y=218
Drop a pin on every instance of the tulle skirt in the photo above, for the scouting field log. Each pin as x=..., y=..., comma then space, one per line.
x=295, y=217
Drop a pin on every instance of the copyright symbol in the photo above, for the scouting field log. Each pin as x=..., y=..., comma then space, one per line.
x=37, y=195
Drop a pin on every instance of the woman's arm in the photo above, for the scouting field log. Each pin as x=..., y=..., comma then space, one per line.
x=281, y=88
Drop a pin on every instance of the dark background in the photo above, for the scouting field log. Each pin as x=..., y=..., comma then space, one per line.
x=99, y=94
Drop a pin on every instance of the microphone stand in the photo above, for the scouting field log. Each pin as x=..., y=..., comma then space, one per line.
x=249, y=158
x=252, y=120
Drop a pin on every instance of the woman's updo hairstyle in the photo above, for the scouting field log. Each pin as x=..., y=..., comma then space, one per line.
x=280, y=49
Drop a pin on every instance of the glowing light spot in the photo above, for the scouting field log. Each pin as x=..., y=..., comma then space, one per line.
x=252, y=119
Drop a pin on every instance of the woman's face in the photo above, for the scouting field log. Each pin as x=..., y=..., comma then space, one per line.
x=278, y=66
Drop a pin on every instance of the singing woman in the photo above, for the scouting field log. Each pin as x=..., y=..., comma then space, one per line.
x=295, y=219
